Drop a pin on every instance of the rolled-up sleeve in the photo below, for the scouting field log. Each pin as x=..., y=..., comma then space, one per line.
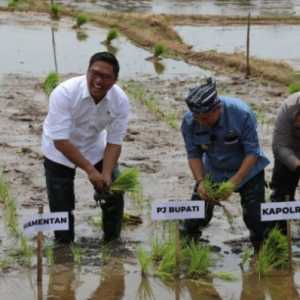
x=192, y=150
x=59, y=119
x=249, y=136
x=116, y=131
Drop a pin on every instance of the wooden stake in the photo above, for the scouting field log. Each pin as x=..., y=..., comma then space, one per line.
x=248, y=47
x=289, y=236
x=177, y=250
x=39, y=253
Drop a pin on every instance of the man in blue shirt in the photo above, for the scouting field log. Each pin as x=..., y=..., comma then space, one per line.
x=221, y=141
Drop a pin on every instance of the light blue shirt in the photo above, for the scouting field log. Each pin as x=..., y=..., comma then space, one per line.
x=223, y=147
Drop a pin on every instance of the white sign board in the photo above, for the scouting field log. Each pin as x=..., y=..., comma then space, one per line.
x=45, y=222
x=280, y=211
x=178, y=210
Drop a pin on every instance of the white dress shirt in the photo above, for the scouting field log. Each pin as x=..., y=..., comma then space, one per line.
x=73, y=115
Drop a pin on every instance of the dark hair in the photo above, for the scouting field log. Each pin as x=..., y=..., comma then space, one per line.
x=108, y=58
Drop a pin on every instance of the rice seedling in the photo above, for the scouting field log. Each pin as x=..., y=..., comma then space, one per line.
x=25, y=251
x=225, y=276
x=127, y=181
x=157, y=250
x=95, y=221
x=159, y=50
x=80, y=20
x=145, y=291
x=217, y=190
x=4, y=192
x=130, y=219
x=171, y=120
x=13, y=3
x=105, y=254
x=198, y=260
x=273, y=254
x=49, y=253
x=144, y=260
x=294, y=87
x=51, y=81
x=81, y=35
x=55, y=11
x=167, y=265
x=4, y=264
x=246, y=257
x=111, y=35
x=77, y=254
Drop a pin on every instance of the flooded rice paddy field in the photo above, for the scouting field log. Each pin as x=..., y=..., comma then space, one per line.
x=151, y=145
x=203, y=7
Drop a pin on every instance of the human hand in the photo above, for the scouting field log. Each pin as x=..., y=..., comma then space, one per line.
x=204, y=196
x=97, y=179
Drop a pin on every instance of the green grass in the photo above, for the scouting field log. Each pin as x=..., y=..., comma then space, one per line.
x=111, y=35
x=51, y=82
x=144, y=260
x=159, y=50
x=273, y=254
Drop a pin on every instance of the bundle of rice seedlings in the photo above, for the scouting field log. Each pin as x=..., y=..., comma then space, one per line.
x=145, y=291
x=55, y=11
x=144, y=260
x=50, y=83
x=217, y=191
x=127, y=181
x=225, y=276
x=198, y=260
x=159, y=50
x=273, y=254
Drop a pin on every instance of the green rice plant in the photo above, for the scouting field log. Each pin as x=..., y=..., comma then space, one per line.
x=77, y=254
x=4, y=264
x=159, y=50
x=127, y=181
x=225, y=276
x=198, y=259
x=105, y=254
x=273, y=254
x=167, y=265
x=81, y=35
x=157, y=250
x=111, y=35
x=130, y=219
x=11, y=217
x=95, y=221
x=80, y=20
x=294, y=87
x=246, y=257
x=217, y=190
x=171, y=120
x=144, y=260
x=25, y=251
x=49, y=253
x=50, y=83
x=4, y=192
x=55, y=11
x=13, y=3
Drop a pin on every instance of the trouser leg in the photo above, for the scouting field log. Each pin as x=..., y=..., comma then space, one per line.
x=61, y=198
x=112, y=210
x=192, y=227
x=252, y=195
x=284, y=183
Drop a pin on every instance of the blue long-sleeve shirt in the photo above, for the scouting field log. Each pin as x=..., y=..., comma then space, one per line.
x=223, y=147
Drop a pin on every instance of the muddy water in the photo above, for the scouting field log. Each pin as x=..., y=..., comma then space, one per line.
x=29, y=48
x=204, y=7
x=280, y=43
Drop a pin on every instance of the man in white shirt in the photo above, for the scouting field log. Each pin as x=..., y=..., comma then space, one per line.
x=85, y=126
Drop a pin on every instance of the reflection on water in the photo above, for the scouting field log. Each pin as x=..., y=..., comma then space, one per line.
x=263, y=40
x=30, y=49
x=204, y=7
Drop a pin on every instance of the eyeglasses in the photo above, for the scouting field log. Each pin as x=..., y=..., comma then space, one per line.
x=103, y=76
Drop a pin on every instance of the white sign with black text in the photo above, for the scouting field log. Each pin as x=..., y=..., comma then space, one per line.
x=280, y=211
x=45, y=222
x=178, y=210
